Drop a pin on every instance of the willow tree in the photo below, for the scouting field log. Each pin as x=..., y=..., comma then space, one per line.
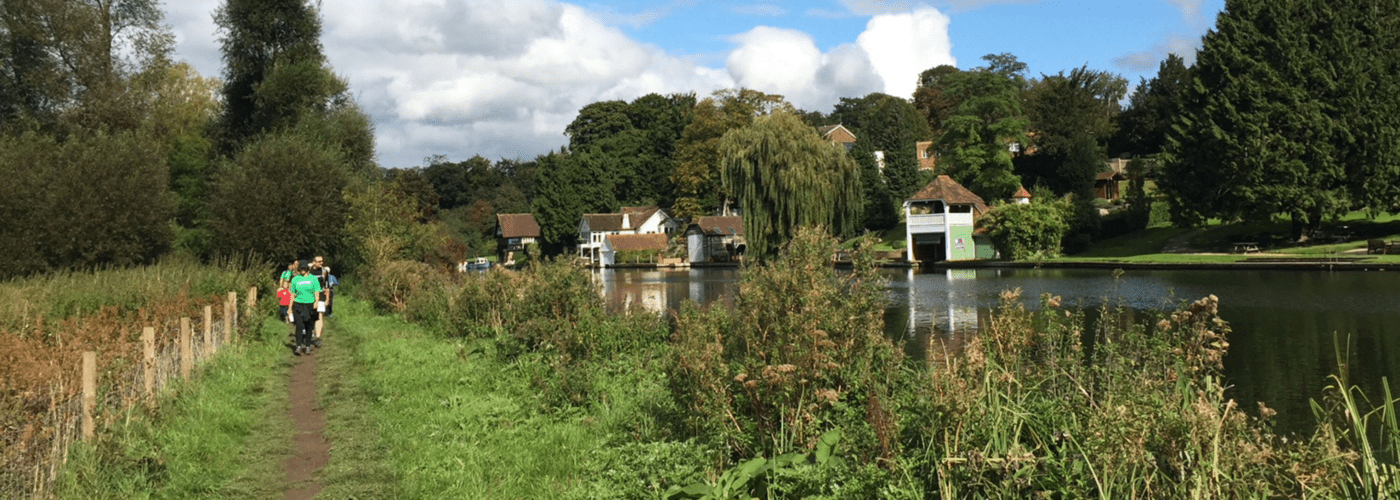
x=785, y=176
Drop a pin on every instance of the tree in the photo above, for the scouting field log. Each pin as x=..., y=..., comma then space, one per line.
x=697, y=174
x=1021, y=232
x=786, y=176
x=932, y=99
x=273, y=67
x=890, y=125
x=280, y=198
x=569, y=185
x=94, y=200
x=986, y=123
x=1283, y=95
x=637, y=141
x=1142, y=128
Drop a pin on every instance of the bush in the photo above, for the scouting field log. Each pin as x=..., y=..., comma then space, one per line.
x=1022, y=232
x=90, y=200
x=803, y=352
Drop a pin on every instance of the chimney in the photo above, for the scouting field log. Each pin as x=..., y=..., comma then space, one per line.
x=626, y=221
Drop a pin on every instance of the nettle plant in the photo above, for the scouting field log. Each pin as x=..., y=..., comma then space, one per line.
x=802, y=352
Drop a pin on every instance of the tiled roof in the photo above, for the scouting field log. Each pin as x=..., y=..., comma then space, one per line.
x=1104, y=176
x=634, y=242
x=946, y=189
x=518, y=225
x=732, y=225
x=603, y=222
x=1022, y=193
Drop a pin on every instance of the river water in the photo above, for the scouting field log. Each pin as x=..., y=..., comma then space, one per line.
x=1283, y=323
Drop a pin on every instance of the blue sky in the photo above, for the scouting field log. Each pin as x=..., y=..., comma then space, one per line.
x=502, y=78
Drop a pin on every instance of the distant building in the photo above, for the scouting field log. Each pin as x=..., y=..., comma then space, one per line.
x=838, y=134
x=1022, y=197
x=513, y=232
x=715, y=239
x=615, y=244
x=928, y=160
x=595, y=228
x=1106, y=184
x=939, y=222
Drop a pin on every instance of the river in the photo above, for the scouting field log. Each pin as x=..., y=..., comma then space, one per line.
x=1283, y=322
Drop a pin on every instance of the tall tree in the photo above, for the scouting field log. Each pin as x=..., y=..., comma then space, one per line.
x=273, y=66
x=786, y=176
x=1143, y=126
x=890, y=126
x=1072, y=119
x=637, y=141
x=697, y=174
x=1283, y=92
x=932, y=99
x=568, y=186
x=984, y=126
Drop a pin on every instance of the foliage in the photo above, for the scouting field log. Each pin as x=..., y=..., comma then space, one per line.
x=1321, y=76
x=636, y=141
x=1144, y=125
x=274, y=69
x=281, y=198
x=1021, y=232
x=385, y=221
x=803, y=353
x=569, y=185
x=786, y=176
x=697, y=177
x=92, y=200
x=982, y=127
x=892, y=126
x=1073, y=117
x=932, y=99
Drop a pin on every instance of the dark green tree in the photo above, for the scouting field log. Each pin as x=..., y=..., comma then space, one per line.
x=1143, y=126
x=637, y=141
x=786, y=176
x=569, y=185
x=696, y=179
x=983, y=128
x=1287, y=115
x=274, y=70
x=932, y=99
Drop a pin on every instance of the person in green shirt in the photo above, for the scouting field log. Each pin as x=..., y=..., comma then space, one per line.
x=306, y=290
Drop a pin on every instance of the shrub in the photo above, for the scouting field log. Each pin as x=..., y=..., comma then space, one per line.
x=1021, y=232
x=803, y=353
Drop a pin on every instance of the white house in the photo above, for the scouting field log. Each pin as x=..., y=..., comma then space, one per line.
x=594, y=229
x=939, y=222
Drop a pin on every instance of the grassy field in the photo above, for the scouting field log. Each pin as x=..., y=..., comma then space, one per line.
x=223, y=435
x=413, y=415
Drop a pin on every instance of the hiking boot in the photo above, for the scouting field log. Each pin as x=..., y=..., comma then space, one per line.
x=297, y=351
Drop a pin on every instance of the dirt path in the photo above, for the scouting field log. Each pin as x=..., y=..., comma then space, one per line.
x=311, y=451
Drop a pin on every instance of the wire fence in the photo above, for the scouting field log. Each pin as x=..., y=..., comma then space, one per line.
x=36, y=448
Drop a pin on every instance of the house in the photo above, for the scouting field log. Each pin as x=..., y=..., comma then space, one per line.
x=1106, y=184
x=1022, y=197
x=595, y=228
x=928, y=160
x=715, y=239
x=513, y=232
x=939, y=222
x=620, y=245
x=838, y=134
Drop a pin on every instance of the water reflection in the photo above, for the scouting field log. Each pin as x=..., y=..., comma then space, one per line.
x=1284, y=322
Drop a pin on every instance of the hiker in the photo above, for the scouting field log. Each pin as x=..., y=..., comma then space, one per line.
x=305, y=290
x=322, y=272
x=286, y=278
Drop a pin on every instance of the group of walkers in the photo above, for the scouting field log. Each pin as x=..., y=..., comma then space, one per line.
x=306, y=292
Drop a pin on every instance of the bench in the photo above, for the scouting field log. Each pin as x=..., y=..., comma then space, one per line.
x=1246, y=247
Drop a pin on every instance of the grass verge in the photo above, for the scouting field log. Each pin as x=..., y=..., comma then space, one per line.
x=223, y=435
x=414, y=416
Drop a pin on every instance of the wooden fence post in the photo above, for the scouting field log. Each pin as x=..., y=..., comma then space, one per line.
x=148, y=364
x=186, y=350
x=233, y=312
x=209, y=329
x=89, y=393
x=228, y=325
x=251, y=303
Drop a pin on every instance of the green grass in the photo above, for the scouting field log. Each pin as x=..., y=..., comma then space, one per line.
x=438, y=418
x=223, y=435
x=1147, y=241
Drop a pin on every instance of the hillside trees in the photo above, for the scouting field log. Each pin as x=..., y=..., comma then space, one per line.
x=1143, y=126
x=786, y=177
x=293, y=137
x=891, y=126
x=697, y=176
x=1292, y=112
x=636, y=141
x=987, y=119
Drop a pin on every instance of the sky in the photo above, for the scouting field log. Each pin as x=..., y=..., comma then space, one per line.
x=503, y=78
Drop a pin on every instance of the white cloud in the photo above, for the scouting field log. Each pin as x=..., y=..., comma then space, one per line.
x=1146, y=61
x=1190, y=9
x=502, y=78
x=902, y=45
